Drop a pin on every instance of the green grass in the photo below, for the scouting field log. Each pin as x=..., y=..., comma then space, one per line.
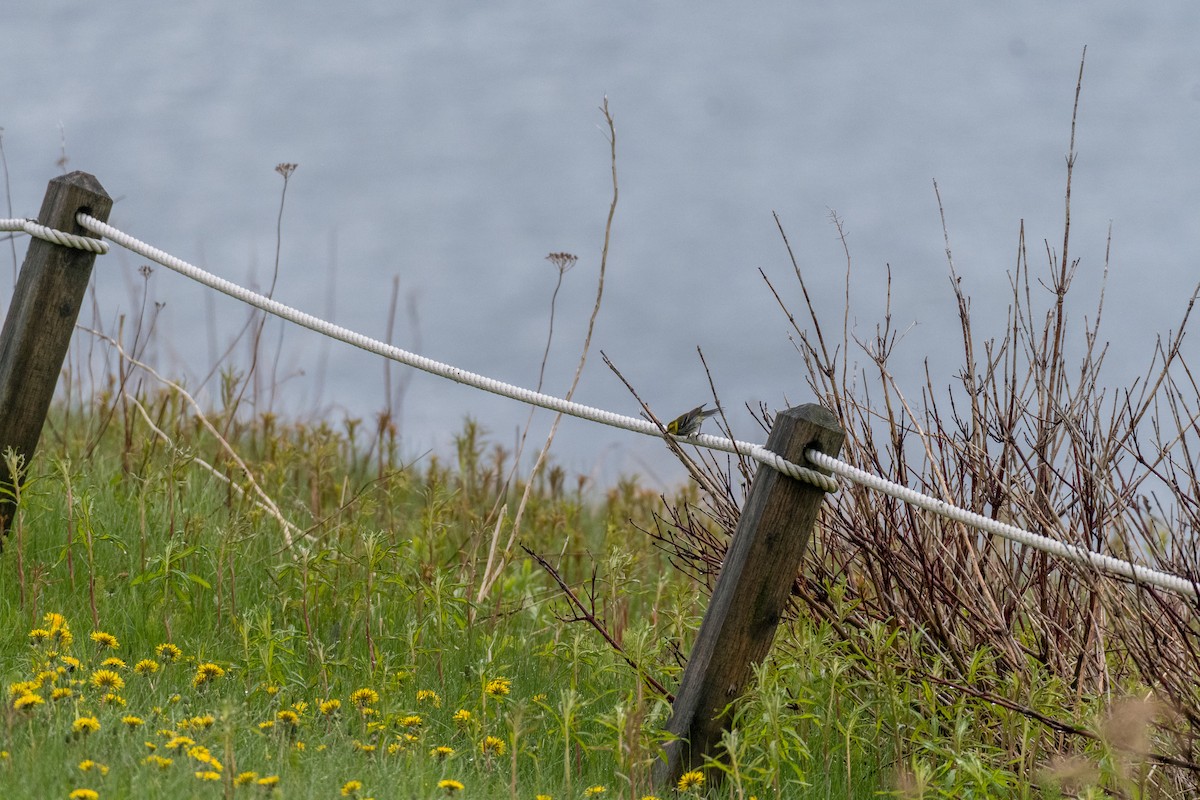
x=124, y=535
x=152, y=549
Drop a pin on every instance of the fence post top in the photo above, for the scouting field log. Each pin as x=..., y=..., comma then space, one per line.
x=813, y=412
x=81, y=180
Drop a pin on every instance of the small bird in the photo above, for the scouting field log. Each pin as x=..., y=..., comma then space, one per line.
x=688, y=424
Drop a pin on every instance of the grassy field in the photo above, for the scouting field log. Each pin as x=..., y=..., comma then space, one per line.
x=161, y=638
x=216, y=602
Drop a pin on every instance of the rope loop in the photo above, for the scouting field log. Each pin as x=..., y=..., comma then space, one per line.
x=805, y=474
x=47, y=234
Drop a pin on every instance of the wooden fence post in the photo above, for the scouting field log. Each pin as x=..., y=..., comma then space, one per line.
x=41, y=320
x=751, y=594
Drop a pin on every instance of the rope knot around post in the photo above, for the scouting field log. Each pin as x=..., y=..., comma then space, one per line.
x=55, y=236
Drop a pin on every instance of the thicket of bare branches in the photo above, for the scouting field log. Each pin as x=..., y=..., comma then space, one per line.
x=1027, y=433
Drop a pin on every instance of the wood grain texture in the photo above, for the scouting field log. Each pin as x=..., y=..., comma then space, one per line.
x=752, y=591
x=41, y=318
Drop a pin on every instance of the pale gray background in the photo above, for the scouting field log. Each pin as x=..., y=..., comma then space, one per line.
x=454, y=144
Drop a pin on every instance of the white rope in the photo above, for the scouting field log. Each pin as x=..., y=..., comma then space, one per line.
x=1070, y=552
x=755, y=451
x=40, y=231
x=759, y=453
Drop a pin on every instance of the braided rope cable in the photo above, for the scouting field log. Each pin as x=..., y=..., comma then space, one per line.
x=1070, y=552
x=40, y=231
x=755, y=451
x=1079, y=555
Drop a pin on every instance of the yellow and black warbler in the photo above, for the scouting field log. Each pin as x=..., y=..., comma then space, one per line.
x=688, y=424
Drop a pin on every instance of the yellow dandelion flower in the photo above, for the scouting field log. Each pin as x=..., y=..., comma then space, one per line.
x=23, y=687
x=146, y=666
x=655, y=797
x=690, y=780
x=462, y=718
x=208, y=775
x=132, y=722
x=103, y=639
x=288, y=717
x=429, y=696
x=113, y=663
x=351, y=788
x=269, y=782
x=39, y=636
x=441, y=752
x=300, y=706
x=410, y=721
x=61, y=693
x=498, y=687
x=330, y=707
x=396, y=747
x=179, y=743
x=594, y=791
x=168, y=653
x=363, y=748
x=113, y=699
x=451, y=786
x=72, y=663
x=200, y=753
x=542, y=797
x=245, y=778
x=85, y=725
x=162, y=762
x=59, y=629
x=299, y=746
x=84, y=794
x=28, y=702
x=107, y=679
x=271, y=689
x=206, y=672
x=87, y=765
x=364, y=697
x=203, y=722
x=492, y=746
x=266, y=725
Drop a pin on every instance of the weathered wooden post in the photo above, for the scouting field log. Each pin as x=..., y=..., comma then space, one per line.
x=41, y=319
x=752, y=591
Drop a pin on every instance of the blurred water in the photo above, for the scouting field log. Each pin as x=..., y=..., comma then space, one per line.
x=452, y=145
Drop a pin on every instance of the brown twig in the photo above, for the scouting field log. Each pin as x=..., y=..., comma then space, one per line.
x=588, y=614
